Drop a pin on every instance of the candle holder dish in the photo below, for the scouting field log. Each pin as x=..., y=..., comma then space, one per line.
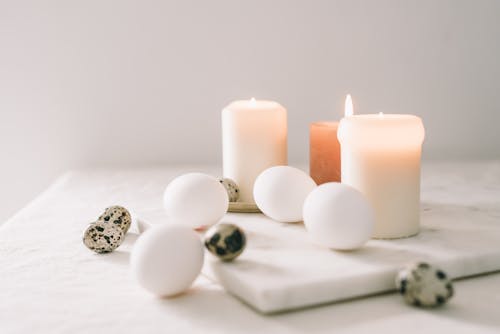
x=243, y=207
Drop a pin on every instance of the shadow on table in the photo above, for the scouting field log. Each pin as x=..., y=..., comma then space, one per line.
x=211, y=307
x=476, y=304
x=363, y=312
x=122, y=254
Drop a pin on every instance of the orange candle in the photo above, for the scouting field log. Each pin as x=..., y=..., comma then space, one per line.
x=324, y=152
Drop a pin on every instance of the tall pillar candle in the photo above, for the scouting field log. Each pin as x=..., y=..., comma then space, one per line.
x=254, y=138
x=381, y=158
x=324, y=152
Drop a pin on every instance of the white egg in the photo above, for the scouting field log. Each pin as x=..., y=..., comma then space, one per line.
x=338, y=216
x=166, y=259
x=280, y=191
x=195, y=200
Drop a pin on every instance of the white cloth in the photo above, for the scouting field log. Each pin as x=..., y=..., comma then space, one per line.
x=50, y=283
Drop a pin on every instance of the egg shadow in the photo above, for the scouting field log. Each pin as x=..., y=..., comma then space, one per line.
x=211, y=307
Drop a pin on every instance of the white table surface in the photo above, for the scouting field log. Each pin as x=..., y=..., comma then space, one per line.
x=50, y=283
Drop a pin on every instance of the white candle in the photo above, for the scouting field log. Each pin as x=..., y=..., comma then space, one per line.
x=254, y=138
x=380, y=156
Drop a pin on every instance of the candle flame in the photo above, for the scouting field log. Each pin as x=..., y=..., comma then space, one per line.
x=349, y=110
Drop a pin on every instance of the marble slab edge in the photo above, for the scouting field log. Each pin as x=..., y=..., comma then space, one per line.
x=272, y=301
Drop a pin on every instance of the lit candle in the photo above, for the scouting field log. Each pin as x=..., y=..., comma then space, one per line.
x=381, y=158
x=254, y=138
x=324, y=150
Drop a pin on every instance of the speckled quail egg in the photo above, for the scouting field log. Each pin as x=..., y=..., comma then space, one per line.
x=233, y=191
x=225, y=241
x=118, y=216
x=103, y=237
x=424, y=285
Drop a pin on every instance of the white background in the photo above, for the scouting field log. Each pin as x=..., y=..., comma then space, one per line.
x=127, y=83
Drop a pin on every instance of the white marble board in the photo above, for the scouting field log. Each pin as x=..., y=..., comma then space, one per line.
x=282, y=270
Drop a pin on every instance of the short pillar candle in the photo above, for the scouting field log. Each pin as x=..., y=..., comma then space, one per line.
x=381, y=158
x=324, y=152
x=254, y=138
